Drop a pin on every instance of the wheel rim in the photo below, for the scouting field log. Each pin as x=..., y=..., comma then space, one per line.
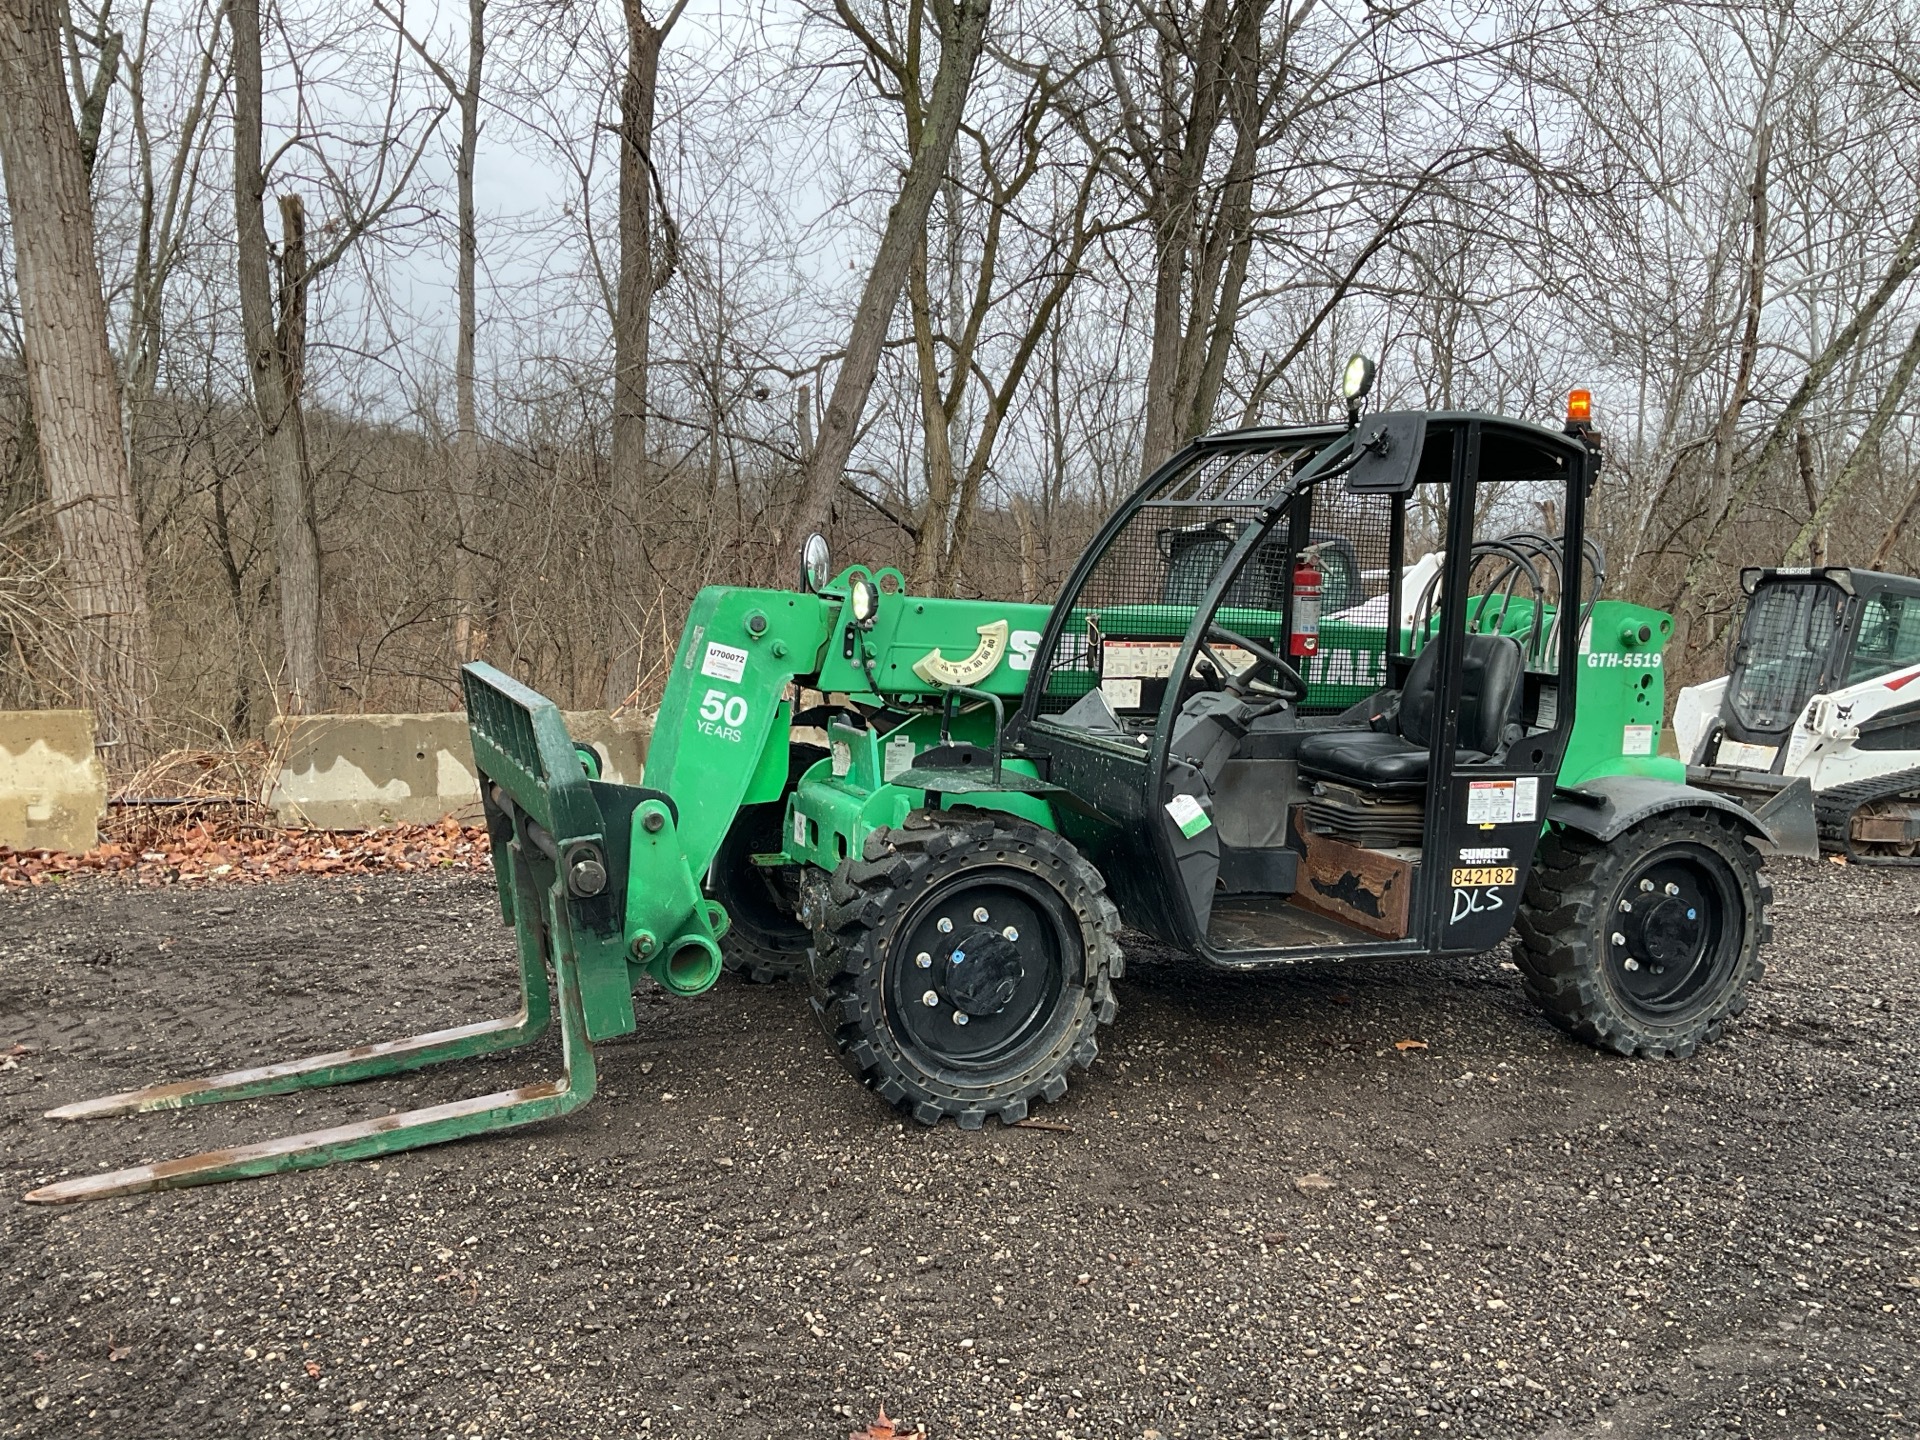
x=1669, y=943
x=762, y=901
x=970, y=997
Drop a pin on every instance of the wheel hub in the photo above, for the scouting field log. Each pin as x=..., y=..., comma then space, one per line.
x=979, y=969
x=983, y=972
x=1670, y=932
x=1667, y=941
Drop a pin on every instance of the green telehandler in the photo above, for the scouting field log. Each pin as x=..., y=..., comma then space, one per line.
x=939, y=812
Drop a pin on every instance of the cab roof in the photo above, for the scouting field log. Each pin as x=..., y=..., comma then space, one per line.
x=1852, y=580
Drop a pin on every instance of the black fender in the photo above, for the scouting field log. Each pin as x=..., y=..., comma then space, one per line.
x=1610, y=804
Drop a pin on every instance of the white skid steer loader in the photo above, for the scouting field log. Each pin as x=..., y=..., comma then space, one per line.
x=1824, y=687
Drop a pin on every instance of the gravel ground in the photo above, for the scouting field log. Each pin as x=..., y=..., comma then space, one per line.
x=1520, y=1237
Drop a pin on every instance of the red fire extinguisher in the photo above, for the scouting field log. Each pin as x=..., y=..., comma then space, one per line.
x=1305, y=636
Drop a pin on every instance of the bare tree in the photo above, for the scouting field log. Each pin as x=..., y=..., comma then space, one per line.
x=70, y=373
x=276, y=375
x=643, y=271
x=167, y=192
x=274, y=320
x=997, y=300
x=464, y=90
x=932, y=121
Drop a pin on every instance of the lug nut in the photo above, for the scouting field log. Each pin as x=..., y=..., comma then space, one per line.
x=923, y=960
x=980, y=913
x=959, y=1017
x=932, y=997
x=1618, y=938
x=1647, y=886
x=1626, y=907
x=944, y=926
x=1632, y=964
x=1672, y=889
x=1011, y=933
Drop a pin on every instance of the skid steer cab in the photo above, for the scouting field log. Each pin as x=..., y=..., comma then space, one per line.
x=1818, y=715
x=1313, y=692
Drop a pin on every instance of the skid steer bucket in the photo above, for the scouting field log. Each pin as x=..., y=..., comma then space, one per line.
x=560, y=844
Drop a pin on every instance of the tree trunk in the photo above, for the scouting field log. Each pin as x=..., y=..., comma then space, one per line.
x=275, y=374
x=1202, y=227
x=963, y=30
x=70, y=375
x=641, y=276
x=930, y=545
x=466, y=431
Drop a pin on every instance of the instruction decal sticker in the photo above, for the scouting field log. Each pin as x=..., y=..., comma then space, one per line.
x=1490, y=802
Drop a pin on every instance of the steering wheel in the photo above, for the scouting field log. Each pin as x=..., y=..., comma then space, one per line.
x=1292, y=686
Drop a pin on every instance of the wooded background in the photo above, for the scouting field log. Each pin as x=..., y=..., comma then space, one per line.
x=341, y=343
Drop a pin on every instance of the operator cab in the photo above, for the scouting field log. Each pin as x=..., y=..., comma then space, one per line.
x=1806, y=632
x=1316, y=683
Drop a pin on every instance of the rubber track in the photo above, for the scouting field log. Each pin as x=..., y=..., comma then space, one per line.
x=1834, y=809
x=1559, y=923
x=850, y=912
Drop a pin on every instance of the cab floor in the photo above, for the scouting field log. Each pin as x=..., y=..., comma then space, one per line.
x=1271, y=922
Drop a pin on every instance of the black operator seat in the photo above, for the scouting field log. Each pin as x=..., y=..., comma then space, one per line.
x=1393, y=755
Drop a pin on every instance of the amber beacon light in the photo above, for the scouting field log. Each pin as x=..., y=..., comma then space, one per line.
x=1579, y=407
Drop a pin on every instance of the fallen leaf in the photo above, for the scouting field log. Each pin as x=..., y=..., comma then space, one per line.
x=1054, y=1125
x=313, y=1369
x=885, y=1429
x=1309, y=1184
x=1409, y=1044
x=1837, y=859
x=119, y=1352
x=158, y=851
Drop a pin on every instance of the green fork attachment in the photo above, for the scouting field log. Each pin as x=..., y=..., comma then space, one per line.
x=581, y=866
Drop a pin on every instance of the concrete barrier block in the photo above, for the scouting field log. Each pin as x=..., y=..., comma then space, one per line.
x=356, y=772
x=53, y=790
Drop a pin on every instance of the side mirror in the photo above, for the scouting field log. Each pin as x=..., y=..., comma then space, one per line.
x=816, y=564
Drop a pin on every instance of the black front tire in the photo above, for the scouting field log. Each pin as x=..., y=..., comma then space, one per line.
x=765, y=941
x=1005, y=925
x=1645, y=944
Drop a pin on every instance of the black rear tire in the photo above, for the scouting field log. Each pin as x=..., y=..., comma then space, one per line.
x=963, y=965
x=766, y=940
x=1645, y=944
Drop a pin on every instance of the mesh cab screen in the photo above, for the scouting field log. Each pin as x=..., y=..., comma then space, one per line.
x=1126, y=622
x=1784, y=644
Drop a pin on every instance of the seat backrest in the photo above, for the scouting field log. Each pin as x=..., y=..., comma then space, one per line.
x=1491, y=667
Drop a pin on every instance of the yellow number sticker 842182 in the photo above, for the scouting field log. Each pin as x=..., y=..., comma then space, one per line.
x=1486, y=875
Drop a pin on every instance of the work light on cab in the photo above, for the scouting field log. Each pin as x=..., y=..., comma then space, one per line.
x=863, y=600
x=1355, y=381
